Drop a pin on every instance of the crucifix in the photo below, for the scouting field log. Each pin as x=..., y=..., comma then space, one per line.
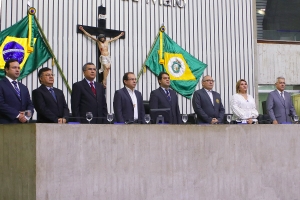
x=102, y=43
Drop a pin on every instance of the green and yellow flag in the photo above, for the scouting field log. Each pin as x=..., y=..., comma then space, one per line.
x=184, y=69
x=22, y=41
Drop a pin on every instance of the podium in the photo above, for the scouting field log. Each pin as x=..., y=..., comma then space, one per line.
x=82, y=161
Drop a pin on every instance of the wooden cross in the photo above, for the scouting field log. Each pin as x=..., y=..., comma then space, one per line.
x=101, y=29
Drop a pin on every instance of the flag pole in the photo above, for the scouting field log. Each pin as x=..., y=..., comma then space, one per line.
x=51, y=52
x=162, y=28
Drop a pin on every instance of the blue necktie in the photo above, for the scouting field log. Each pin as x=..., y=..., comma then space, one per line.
x=17, y=89
x=168, y=95
x=53, y=94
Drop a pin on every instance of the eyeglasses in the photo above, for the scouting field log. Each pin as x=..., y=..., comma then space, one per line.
x=131, y=79
x=209, y=81
x=49, y=75
x=281, y=83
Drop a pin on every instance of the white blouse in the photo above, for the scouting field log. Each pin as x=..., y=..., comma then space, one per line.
x=243, y=109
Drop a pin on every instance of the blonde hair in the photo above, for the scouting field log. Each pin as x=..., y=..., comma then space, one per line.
x=238, y=85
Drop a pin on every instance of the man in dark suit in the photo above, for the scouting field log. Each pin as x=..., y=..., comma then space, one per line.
x=49, y=102
x=207, y=104
x=89, y=96
x=14, y=96
x=164, y=97
x=128, y=102
x=279, y=104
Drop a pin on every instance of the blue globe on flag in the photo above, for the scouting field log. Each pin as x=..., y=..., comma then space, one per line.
x=13, y=50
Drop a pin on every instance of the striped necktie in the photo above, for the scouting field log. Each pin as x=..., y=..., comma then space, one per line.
x=168, y=94
x=17, y=89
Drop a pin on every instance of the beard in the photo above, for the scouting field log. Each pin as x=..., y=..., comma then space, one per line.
x=102, y=40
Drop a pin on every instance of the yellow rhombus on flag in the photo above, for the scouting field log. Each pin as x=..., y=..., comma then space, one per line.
x=177, y=67
x=184, y=69
x=20, y=41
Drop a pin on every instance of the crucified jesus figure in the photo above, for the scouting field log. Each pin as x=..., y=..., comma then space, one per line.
x=104, y=58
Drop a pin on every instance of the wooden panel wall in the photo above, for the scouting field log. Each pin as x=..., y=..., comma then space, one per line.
x=219, y=33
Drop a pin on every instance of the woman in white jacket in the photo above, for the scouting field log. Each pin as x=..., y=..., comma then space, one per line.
x=243, y=105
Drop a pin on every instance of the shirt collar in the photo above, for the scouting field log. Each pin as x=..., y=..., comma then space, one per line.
x=165, y=88
x=10, y=80
x=89, y=81
x=49, y=87
x=129, y=90
x=279, y=91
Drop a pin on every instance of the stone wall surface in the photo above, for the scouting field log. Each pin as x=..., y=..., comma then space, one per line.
x=150, y=162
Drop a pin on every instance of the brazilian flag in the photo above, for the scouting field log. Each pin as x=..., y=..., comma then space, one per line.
x=22, y=41
x=184, y=69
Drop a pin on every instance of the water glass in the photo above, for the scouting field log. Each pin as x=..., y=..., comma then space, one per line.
x=110, y=117
x=89, y=116
x=296, y=118
x=229, y=118
x=184, y=118
x=147, y=118
x=28, y=115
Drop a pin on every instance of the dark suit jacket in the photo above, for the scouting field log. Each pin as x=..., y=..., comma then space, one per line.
x=48, y=110
x=10, y=104
x=204, y=109
x=123, y=106
x=280, y=109
x=158, y=99
x=83, y=100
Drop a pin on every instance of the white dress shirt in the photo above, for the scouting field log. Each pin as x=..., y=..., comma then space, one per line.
x=209, y=92
x=134, y=101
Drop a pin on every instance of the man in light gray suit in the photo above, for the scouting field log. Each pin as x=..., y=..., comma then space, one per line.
x=279, y=104
x=207, y=104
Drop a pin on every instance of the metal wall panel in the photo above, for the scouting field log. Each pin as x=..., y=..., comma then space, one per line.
x=219, y=33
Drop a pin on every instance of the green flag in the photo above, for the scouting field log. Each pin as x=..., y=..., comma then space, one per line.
x=184, y=69
x=22, y=41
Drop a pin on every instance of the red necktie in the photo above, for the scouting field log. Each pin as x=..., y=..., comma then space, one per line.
x=93, y=88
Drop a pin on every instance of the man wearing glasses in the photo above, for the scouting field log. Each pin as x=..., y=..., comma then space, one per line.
x=49, y=102
x=89, y=96
x=207, y=104
x=128, y=102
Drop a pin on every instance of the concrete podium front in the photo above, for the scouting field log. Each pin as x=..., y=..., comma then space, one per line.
x=51, y=161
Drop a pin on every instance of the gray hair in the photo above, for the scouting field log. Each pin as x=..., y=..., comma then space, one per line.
x=204, y=77
x=280, y=77
x=86, y=64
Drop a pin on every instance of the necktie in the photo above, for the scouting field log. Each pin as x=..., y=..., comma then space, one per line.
x=281, y=94
x=168, y=95
x=93, y=88
x=53, y=94
x=17, y=89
